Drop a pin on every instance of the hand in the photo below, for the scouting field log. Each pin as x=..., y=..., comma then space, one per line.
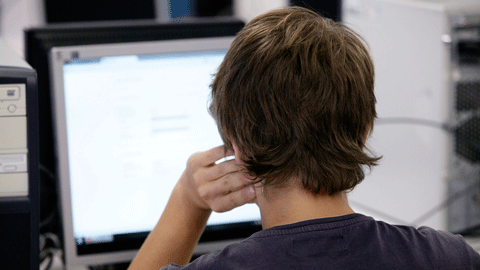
x=217, y=187
x=203, y=187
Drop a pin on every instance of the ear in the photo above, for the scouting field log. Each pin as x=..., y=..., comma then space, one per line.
x=236, y=152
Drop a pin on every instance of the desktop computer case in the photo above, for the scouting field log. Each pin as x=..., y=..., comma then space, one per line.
x=19, y=190
x=427, y=62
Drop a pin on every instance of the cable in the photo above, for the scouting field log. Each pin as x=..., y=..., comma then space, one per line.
x=414, y=121
x=378, y=213
x=429, y=123
x=47, y=171
x=54, y=239
x=51, y=216
x=457, y=195
x=49, y=253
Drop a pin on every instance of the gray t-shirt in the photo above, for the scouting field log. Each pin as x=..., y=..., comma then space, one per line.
x=352, y=241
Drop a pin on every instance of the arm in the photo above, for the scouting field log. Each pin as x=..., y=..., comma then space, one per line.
x=202, y=187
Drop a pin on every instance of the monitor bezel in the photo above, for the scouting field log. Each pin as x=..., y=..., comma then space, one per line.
x=215, y=237
x=39, y=41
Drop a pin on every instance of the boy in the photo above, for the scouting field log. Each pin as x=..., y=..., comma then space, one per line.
x=294, y=103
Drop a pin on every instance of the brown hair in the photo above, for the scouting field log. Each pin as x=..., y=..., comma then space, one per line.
x=295, y=93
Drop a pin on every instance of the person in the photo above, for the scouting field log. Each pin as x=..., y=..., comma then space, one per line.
x=294, y=103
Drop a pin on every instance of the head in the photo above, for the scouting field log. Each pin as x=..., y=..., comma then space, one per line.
x=294, y=95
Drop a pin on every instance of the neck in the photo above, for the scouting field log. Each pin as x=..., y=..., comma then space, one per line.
x=286, y=205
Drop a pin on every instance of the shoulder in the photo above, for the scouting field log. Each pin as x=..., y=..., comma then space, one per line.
x=430, y=247
x=203, y=262
x=234, y=256
x=407, y=246
x=341, y=243
x=451, y=248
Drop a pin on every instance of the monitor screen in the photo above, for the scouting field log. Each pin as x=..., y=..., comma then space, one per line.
x=39, y=42
x=126, y=118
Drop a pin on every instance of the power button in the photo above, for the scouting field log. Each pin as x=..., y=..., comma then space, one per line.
x=12, y=108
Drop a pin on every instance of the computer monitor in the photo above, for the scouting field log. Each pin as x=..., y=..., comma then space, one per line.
x=38, y=43
x=126, y=119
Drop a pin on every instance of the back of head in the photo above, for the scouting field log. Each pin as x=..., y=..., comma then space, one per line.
x=295, y=93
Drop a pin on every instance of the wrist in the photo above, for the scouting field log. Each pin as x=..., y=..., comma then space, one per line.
x=186, y=197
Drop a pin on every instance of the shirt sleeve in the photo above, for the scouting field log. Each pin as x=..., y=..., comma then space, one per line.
x=472, y=256
x=206, y=261
x=172, y=267
x=452, y=250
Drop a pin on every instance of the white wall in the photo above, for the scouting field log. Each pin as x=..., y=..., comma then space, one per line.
x=17, y=15
x=412, y=82
x=249, y=9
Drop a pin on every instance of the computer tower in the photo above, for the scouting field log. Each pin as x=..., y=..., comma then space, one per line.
x=19, y=190
x=464, y=178
x=427, y=83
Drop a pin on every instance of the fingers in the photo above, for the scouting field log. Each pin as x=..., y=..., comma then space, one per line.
x=227, y=192
x=219, y=187
x=234, y=199
x=208, y=158
x=214, y=172
x=223, y=186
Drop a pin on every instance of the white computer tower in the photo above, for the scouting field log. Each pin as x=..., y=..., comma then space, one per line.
x=19, y=188
x=427, y=63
